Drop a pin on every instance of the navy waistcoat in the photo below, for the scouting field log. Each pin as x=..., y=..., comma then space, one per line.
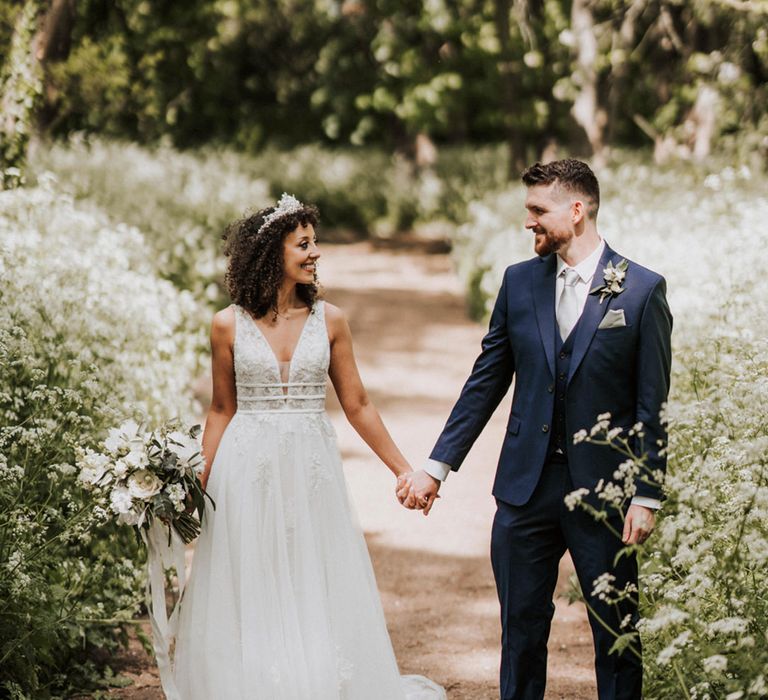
x=563, y=353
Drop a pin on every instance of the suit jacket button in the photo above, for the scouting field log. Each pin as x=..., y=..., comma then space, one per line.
x=545, y=428
x=551, y=388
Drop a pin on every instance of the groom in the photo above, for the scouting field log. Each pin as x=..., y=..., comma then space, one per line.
x=572, y=357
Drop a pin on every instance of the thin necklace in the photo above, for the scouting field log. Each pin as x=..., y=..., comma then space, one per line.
x=277, y=313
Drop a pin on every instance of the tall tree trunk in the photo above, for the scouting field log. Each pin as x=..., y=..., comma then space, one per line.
x=622, y=43
x=21, y=87
x=515, y=143
x=55, y=37
x=586, y=109
x=702, y=121
x=54, y=42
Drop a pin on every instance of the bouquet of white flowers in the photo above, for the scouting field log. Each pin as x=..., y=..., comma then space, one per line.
x=148, y=476
x=148, y=479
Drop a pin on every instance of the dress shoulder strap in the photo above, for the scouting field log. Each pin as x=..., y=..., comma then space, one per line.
x=238, y=320
x=243, y=323
x=316, y=322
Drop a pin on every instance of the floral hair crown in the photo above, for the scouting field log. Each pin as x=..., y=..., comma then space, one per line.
x=288, y=204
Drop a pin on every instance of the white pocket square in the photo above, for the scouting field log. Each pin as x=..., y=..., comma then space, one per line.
x=614, y=318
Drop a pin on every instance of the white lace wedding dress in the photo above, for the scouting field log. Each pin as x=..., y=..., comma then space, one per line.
x=282, y=602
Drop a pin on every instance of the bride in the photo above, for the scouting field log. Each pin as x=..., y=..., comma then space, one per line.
x=282, y=602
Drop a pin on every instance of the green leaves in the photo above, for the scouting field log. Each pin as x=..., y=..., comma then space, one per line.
x=623, y=642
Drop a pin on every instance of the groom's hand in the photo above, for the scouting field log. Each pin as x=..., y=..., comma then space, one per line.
x=418, y=490
x=638, y=525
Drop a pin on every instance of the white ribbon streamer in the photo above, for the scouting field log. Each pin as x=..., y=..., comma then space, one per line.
x=161, y=556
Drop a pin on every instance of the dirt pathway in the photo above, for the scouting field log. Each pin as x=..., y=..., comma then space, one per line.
x=415, y=347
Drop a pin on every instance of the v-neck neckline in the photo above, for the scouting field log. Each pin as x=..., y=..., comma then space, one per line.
x=275, y=361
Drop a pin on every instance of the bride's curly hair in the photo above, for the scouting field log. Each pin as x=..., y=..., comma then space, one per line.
x=255, y=266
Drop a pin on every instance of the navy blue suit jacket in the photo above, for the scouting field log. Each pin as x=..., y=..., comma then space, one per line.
x=623, y=371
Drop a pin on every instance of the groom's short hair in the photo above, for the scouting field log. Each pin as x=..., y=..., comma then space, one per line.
x=572, y=174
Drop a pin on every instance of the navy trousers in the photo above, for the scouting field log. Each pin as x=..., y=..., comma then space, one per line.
x=527, y=543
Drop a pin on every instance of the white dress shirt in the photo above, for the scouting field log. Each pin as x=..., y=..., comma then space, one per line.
x=586, y=270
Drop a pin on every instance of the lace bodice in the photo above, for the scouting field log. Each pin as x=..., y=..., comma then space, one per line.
x=258, y=376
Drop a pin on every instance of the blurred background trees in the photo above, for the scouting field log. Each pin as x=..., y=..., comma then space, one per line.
x=685, y=76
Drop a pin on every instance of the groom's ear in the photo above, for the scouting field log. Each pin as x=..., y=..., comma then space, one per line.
x=578, y=211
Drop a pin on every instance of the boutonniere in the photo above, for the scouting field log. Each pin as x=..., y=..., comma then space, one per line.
x=613, y=278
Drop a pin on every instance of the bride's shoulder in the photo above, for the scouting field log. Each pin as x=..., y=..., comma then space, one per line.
x=223, y=323
x=333, y=312
x=334, y=316
x=335, y=320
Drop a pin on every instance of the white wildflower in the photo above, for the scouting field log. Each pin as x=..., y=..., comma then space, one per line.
x=671, y=650
x=715, y=664
x=580, y=436
x=758, y=687
x=612, y=494
x=575, y=497
x=603, y=585
x=728, y=625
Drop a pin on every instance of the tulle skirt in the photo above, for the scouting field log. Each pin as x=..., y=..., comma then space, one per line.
x=282, y=603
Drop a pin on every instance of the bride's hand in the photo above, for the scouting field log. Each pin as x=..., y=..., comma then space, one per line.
x=403, y=484
x=418, y=491
x=190, y=505
x=203, y=479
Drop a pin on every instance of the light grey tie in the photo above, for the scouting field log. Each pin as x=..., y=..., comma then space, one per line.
x=568, y=306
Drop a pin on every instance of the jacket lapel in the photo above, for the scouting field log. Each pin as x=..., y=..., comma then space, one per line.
x=544, y=301
x=592, y=315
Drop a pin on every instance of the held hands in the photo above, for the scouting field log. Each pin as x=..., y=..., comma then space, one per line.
x=638, y=525
x=417, y=490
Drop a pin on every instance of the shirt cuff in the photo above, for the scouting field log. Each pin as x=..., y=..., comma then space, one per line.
x=439, y=470
x=652, y=503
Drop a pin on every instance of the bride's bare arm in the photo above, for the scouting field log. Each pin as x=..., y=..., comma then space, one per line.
x=359, y=410
x=224, y=398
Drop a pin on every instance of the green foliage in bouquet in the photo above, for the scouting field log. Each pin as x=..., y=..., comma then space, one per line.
x=87, y=333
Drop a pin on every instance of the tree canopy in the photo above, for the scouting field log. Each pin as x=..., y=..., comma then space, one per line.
x=586, y=73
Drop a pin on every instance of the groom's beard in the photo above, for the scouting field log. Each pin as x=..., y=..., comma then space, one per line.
x=547, y=242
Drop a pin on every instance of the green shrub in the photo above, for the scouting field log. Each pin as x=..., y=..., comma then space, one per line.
x=183, y=200
x=88, y=334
